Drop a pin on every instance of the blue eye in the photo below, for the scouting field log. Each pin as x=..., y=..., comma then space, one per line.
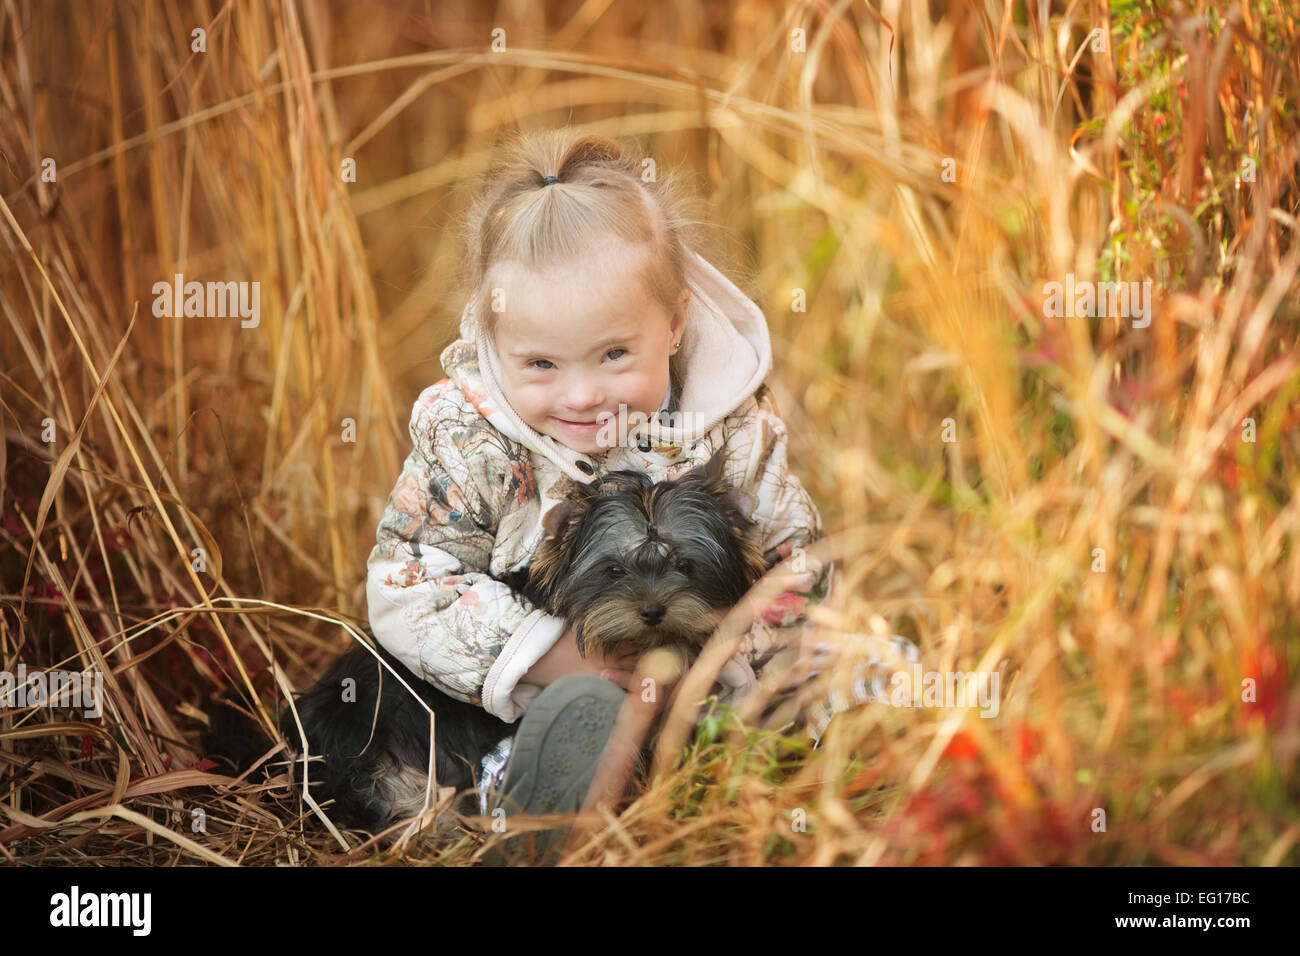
x=536, y=363
x=612, y=351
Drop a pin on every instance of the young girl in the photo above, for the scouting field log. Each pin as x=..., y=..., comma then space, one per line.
x=586, y=297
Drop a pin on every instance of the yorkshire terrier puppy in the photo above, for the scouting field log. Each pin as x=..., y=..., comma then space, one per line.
x=627, y=560
x=654, y=565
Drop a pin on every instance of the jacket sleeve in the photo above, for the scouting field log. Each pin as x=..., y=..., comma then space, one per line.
x=788, y=522
x=432, y=602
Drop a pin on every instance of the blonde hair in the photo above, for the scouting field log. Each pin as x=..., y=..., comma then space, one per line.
x=600, y=191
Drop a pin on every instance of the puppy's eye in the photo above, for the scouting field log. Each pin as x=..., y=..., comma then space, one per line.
x=616, y=571
x=684, y=566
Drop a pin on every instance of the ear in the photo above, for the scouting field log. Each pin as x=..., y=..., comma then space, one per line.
x=549, y=561
x=557, y=519
x=711, y=470
x=677, y=325
x=739, y=506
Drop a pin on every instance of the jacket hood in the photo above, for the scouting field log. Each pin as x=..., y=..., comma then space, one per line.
x=725, y=356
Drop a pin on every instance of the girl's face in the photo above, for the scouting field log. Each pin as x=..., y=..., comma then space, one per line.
x=581, y=340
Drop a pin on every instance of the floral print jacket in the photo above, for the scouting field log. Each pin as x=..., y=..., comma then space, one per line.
x=469, y=502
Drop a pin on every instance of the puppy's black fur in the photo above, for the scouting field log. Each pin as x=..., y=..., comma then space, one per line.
x=367, y=746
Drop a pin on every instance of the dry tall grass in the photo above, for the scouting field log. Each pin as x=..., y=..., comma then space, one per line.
x=1118, y=159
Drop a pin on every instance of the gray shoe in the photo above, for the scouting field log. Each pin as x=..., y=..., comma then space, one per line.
x=552, y=762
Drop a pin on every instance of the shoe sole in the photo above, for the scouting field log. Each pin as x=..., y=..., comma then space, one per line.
x=554, y=758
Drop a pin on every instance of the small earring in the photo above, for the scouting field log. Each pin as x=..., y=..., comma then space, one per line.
x=678, y=345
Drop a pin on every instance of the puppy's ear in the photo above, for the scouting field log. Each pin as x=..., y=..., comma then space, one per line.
x=557, y=519
x=739, y=505
x=549, y=562
x=711, y=470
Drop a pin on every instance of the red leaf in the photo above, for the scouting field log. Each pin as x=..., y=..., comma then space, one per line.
x=1028, y=741
x=962, y=747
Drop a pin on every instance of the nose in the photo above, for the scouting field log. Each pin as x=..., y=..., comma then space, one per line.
x=582, y=395
x=652, y=614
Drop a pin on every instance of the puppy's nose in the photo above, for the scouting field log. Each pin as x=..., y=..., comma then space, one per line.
x=652, y=614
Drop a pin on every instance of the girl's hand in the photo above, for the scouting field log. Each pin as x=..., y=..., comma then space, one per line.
x=782, y=603
x=563, y=659
x=792, y=581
